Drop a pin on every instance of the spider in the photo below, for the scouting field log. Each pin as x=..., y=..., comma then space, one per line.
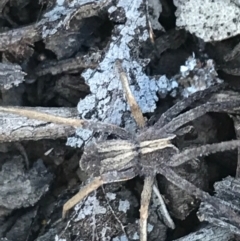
x=148, y=153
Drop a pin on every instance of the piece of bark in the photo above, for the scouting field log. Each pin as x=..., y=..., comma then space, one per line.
x=20, y=227
x=12, y=96
x=227, y=190
x=15, y=36
x=17, y=53
x=197, y=76
x=77, y=35
x=208, y=20
x=64, y=90
x=53, y=21
x=71, y=65
x=67, y=91
x=3, y=14
x=208, y=233
x=18, y=128
x=10, y=75
x=20, y=188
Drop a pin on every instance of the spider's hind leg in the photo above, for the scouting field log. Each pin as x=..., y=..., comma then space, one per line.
x=108, y=177
x=92, y=186
x=145, y=200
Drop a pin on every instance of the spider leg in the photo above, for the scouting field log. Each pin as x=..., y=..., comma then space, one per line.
x=186, y=102
x=191, y=189
x=92, y=186
x=182, y=183
x=153, y=132
x=145, y=200
x=193, y=114
x=135, y=109
x=41, y=116
x=205, y=150
x=163, y=209
x=184, y=130
x=95, y=184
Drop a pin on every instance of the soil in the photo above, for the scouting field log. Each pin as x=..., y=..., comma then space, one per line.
x=39, y=172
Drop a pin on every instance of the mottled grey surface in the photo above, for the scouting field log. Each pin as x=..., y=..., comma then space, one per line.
x=82, y=136
x=21, y=188
x=208, y=233
x=154, y=11
x=11, y=75
x=19, y=229
x=107, y=102
x=209, y=20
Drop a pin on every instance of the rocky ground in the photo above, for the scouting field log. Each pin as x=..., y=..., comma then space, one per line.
x=57, y=55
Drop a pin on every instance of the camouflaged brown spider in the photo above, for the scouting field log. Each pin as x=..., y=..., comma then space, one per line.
x=148, y=153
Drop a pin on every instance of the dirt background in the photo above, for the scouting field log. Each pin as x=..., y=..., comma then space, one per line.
x=57, y=55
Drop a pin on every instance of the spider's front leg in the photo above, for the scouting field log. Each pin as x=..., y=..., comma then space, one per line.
x=109, y=161
x=92, y=186
x=108, y=177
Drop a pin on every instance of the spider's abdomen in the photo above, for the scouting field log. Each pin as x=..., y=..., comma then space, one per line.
x=114, y=155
